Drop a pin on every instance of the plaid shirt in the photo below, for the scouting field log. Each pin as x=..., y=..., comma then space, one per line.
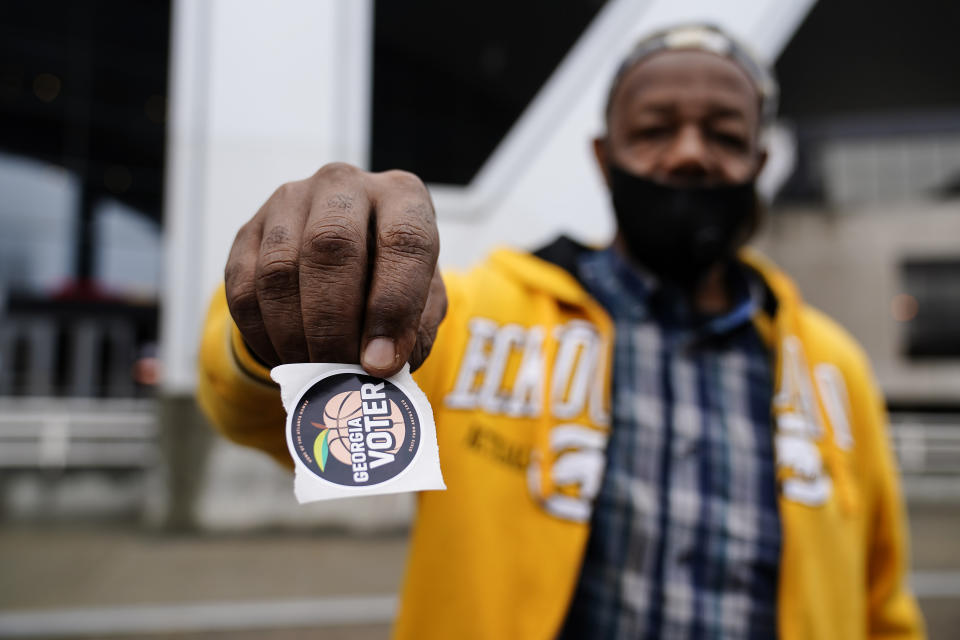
x=685, y=532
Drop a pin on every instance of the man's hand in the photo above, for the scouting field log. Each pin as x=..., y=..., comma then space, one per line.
x=340, y=267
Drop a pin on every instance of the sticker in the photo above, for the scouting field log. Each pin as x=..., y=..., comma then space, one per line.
x=355, y=430
x=354, y=434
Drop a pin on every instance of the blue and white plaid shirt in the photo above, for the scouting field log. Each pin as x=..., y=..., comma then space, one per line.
x=685, y=533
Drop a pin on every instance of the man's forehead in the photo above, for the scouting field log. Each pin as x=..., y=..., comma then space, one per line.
x=678, y=72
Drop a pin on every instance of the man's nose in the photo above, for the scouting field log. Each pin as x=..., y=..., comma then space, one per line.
x=688, y=156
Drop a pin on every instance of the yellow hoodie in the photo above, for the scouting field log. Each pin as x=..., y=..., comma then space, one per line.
x=519, y=380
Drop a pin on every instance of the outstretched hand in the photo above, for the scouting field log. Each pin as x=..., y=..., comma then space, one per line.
x=340, y=267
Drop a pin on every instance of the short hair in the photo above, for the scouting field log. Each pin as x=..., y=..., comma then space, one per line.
x=704, y=37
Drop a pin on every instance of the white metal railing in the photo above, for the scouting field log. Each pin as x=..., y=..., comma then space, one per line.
x=58, y=433
x=928, y=452
x=927, y=444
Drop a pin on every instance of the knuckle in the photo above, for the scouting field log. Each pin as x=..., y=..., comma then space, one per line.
x=233, y=276
x=333, y=243
x=289, y=202
x=440, y=307
x=425, y=338
x=397, y=310
x=245, y=230
x=421, y=212
x=404, y=180
x=288, y=191
x=277, y=236
x=283, y=191
x=333, y=342
x=422, y=348
x=331, y=335
x=337, y=171
x=243, y=304
x=246, y=237
x=340, y=202
x=277, y=273
x=410, y=241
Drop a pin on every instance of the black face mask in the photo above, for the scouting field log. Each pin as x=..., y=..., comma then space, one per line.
x=679, y=233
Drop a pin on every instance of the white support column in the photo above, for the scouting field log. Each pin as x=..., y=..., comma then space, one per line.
x=187, y=116
x=261, y=92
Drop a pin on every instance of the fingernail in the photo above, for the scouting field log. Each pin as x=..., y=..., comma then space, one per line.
x=380, y=353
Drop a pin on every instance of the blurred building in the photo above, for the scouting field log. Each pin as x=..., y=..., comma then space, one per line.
x=83, y=91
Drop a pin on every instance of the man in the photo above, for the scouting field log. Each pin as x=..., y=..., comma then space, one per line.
x=658, y=439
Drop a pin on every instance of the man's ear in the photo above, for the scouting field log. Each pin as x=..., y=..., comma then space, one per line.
x=761, y=161
x=600, y=151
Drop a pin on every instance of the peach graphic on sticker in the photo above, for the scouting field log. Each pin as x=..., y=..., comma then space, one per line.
x=334, y=438
x=355, y=430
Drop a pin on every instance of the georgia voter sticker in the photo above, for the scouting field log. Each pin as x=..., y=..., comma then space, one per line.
x=355, y=430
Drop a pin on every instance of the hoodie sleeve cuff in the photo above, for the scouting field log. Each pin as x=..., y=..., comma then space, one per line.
x=248, y=362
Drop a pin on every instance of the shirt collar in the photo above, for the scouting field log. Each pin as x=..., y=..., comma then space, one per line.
x=627, y=291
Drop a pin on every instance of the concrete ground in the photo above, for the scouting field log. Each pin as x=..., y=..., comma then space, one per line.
x=119, y=572
x=284, y=586
x=352, y=632
x=89, y=568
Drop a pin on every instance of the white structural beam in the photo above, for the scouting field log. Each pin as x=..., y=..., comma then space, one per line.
x=542, y=179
